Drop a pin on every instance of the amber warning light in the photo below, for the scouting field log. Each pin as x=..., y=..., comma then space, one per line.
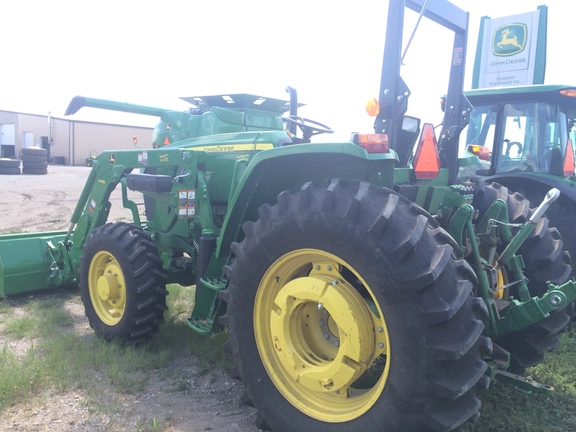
x=480, y=151
x=372, y=107
x=568, y=92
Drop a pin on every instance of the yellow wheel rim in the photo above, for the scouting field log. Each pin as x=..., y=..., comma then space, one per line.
x=323, y=340
x=501, y=293
x=107, y=288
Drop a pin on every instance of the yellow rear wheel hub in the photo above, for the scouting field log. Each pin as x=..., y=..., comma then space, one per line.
x=317, y=335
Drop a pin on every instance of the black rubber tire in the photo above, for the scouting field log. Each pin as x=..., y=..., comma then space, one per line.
x=35, y=165
x=33, y=158
x=423, y=288
x=10, y=170
x=561, y=215
x=35, y=170
x=543, y=252
x=545, y=260
x=9, y=163
x=145, y=282
x=527, y=347
x=36, y=151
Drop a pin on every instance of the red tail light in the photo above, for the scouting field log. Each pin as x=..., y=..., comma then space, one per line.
x=427, y=159
x=373, y=143
x=568, y=167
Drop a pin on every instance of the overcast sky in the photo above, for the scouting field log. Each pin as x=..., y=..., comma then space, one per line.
x=152, y=53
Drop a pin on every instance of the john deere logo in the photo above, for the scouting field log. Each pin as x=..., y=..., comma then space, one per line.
x=509, y=40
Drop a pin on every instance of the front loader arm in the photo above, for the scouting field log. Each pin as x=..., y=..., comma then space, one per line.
x=36, y=261
x=91, y=211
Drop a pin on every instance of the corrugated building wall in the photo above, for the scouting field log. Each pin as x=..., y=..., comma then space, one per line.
x=72, y=141
x=98, y=137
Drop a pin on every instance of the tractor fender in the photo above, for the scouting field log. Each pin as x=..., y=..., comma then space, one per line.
x=536, y=181
x=288, y=168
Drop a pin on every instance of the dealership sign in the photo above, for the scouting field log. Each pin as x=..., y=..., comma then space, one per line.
x=511, y=50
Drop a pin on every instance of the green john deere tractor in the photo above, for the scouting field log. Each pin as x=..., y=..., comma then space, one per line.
x=524, y=137
x=360, y=289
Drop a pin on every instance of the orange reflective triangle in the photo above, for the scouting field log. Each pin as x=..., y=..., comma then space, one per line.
x=166, y=141
x=568, y=167
x=427, y=159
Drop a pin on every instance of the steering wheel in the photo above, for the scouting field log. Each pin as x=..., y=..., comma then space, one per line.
x=514, y=144
x=308, y=127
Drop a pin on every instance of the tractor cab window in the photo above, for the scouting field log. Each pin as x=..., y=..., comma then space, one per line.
x=533, y=138
x=481, y=127
x=478, y=138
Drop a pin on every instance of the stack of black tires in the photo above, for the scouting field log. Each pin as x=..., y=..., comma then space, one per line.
x=9, y=166
x=34, y=160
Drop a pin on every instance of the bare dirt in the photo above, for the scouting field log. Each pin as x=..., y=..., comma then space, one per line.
x=210, y=401
x=30, y=203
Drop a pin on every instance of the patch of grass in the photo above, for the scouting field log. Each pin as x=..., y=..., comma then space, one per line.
x=21, y=327
x=508, y=409
x=62, y=359
x=19, y=376
x=151, y=425
x=42, y=319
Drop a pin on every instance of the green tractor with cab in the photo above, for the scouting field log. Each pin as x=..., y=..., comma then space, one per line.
x=361, y=288
x=524, y=138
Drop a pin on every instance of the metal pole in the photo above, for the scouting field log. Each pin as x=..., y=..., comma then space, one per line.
x=414, y=31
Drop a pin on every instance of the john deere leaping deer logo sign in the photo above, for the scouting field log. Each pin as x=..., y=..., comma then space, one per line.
x=509, y=40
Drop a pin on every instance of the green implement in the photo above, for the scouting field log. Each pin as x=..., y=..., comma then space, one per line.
x=27, y=262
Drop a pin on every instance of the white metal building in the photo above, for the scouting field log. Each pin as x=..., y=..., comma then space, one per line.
x=69, y=142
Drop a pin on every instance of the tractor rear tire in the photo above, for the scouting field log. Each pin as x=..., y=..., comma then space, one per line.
x=336, y=275
x=542, y=252
x=122, y=283
x=528, y=346
x=561, y=214
x=545, y=260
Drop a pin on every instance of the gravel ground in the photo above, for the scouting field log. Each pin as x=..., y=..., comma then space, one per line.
x=30, y=203
x=211, y=401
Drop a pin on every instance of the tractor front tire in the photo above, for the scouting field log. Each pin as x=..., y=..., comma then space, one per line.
x=122, y=283
x=348, y=308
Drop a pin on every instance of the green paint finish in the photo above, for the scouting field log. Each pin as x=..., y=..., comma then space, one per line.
x=26, y=261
